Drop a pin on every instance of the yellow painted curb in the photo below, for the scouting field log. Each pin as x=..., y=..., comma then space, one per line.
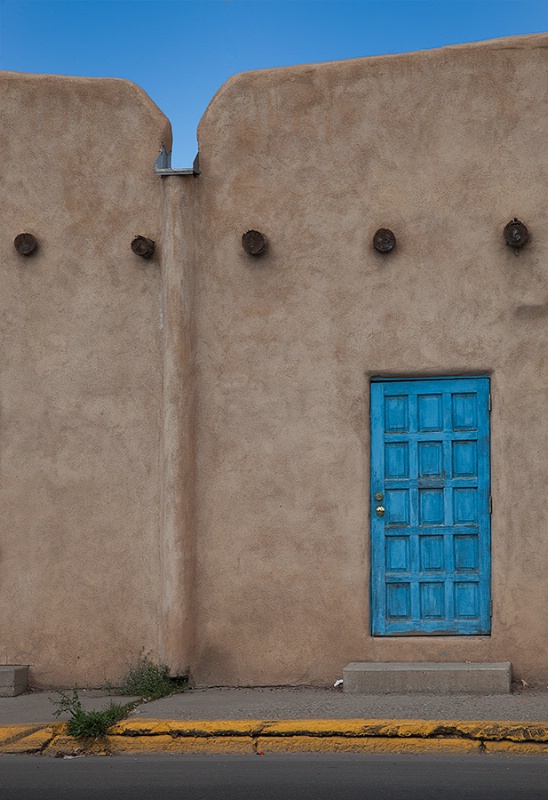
x=304, y=735
x=351, y=744
x=10, y=732
x=197, y=728
x=479, y=730
x=241, y=745
x=527, y=748
x=25, y=738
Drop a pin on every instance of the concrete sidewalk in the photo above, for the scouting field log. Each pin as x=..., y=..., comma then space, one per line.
x=267, y=719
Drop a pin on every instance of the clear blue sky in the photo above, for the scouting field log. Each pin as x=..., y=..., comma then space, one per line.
x=182, y=51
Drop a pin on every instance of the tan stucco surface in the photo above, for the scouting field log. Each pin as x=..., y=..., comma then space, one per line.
x=184, y=441
x=443, y=147
x=80, y=378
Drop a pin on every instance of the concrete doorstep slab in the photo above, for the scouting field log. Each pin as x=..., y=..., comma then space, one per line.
x=427, y=677
x=264, y=736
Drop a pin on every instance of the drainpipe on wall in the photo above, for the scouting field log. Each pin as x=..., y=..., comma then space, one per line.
x=162, y=165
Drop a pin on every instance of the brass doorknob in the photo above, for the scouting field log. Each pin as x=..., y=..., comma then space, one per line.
x=380, y=511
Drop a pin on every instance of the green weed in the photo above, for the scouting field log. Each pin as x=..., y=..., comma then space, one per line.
x=150, y=681
x=85, y=724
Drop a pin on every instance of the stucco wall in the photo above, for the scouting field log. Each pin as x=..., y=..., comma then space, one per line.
x=443, y=147
x=80, y=378
x=184, y=441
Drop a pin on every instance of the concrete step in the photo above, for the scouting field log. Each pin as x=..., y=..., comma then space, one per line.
x=14, y=679
x=427, y=677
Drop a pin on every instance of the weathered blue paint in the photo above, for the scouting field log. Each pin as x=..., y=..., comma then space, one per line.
x=430, y=551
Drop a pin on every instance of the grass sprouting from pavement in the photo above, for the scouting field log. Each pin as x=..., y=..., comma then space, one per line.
x=89, y=724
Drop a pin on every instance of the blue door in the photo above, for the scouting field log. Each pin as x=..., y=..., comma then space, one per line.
x=430, y=515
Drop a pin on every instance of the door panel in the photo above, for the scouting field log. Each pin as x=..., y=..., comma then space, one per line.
x=430, y=518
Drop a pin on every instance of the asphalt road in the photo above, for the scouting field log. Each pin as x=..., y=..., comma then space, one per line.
x=285, y=777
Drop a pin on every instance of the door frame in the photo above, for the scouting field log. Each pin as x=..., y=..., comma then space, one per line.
x=380, y=624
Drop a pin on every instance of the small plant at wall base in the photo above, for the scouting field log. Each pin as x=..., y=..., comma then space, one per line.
x=89, y=724
x=151, y=681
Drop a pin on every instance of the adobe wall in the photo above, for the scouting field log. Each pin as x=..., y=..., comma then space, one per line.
x=184, y=441
x=443, y=147
x=81, y=379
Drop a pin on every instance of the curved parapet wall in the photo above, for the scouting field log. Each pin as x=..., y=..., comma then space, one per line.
x=442, y=148
x=80, y=377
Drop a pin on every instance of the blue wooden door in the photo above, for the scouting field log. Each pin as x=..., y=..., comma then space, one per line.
x=430, y=515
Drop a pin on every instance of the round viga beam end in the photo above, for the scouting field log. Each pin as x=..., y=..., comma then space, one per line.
x=384, y=240
x=516, y=234
x=143, y=247
x=26, y=244
x=254, y=243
